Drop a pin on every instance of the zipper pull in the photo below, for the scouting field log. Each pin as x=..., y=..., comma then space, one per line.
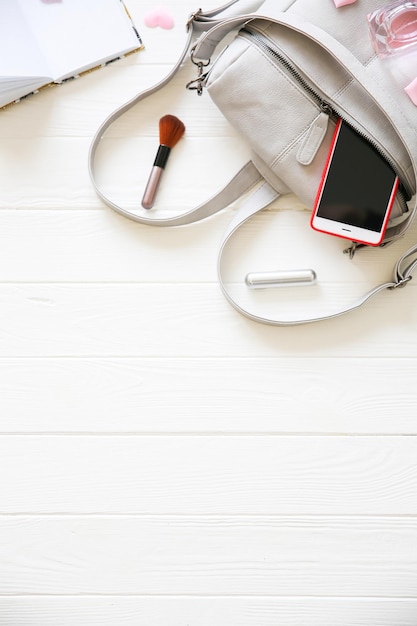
x=314, y=138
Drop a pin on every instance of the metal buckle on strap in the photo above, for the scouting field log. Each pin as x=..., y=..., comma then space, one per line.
x=352, y=249
x=401, y=282
x=192, y=17
x=197, y=83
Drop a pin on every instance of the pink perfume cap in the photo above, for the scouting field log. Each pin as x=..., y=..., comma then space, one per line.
x=411, y=91
x=342, y=3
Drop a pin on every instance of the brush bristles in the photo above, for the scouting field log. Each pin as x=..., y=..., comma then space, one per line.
x=171, y=129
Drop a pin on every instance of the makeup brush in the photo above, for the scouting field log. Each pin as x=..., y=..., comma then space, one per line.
x=171, y=129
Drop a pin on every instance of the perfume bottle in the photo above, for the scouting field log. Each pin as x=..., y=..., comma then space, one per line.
x=393, y=32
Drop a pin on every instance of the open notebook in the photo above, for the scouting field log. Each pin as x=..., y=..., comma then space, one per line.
x=50, y=41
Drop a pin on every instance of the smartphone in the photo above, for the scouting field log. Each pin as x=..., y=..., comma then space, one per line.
x=357, y=190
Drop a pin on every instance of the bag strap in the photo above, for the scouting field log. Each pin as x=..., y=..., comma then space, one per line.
x=248, y=176
x=260, y=199
x=219, y=22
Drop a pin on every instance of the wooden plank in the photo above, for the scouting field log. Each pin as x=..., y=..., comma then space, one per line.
x=188, y=321
x=81, y=106
x=100, y=246
x=148, y=253
x=207, y=395
x=181, y=555
x=123, y=165
x=196, y=611
x=208, y=474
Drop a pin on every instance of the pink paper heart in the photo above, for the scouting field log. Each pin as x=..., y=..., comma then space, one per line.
x=160, y=16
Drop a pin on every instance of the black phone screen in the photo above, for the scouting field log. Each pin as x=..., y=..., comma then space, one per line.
x=359, y=183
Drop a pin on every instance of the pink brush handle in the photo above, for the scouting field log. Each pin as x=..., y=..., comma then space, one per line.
x=152, y=187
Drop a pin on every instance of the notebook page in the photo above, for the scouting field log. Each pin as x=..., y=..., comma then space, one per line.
x=78, y=34
x=19, y=52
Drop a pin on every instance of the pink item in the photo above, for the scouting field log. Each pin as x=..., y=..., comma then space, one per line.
x=160, y=16
x=411, y=91
x=341, y=3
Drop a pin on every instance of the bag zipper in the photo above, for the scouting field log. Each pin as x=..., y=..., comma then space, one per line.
x=404, y=191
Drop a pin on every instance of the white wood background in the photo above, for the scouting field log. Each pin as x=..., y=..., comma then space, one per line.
x=163, y=460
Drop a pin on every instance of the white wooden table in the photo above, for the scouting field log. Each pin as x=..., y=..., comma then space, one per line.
x=165, y=461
